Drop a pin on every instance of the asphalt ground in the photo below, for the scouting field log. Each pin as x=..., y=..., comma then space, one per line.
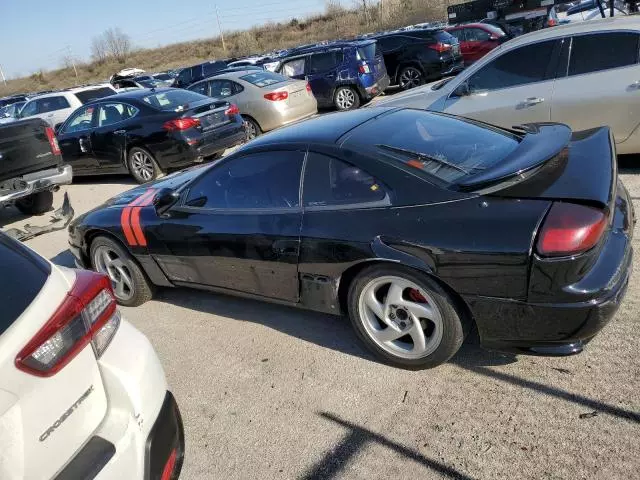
x=272, y=392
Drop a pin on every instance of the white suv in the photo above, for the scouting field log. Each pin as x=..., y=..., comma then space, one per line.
x=82, y=392
x=585, y=75
x=56, y=107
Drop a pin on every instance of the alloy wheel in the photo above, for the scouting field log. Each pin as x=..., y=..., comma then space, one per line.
x=410, y=78
x=108, y=261
x=400, y=317
x=345, y=98
x=142, y=165
x=252, y=131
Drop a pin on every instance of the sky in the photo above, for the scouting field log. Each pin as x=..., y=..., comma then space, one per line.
x=37, y=34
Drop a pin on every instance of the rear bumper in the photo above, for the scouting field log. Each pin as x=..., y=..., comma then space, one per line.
x=546, y=329
x=376, y=89
x=36, y=182
x=165, y=445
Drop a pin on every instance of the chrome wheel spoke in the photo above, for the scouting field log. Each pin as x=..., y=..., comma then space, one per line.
x=376, y=307
x=418, y=337
x=108, y=262
x=419, y=310
x=389, y=334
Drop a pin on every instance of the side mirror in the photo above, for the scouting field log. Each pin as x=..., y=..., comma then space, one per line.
x=462, y=90
x=165, y=199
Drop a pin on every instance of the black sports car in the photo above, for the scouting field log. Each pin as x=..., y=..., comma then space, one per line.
x=416, y=224
x=146, y=131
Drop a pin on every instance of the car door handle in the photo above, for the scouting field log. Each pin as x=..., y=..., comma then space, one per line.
x=119, y=132
x=530, y=102
x=284, y=247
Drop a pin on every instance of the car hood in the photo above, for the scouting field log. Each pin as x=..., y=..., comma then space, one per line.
x=173, y=181
x=420, y=97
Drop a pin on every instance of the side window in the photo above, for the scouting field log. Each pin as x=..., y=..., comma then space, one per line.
x=520, y=66
x=185, y=76
x=79, y=121
x=221, y=88
x=51, y=104
x=388, y=44
x=260, y=180
x=322, y=62
x=603, y=51
x=30, y=109
x=329, y=181
x=237, y=88
x=459, y=34
x=294, y=67
x=111, y=113
x=476, y=35
x=201, y=88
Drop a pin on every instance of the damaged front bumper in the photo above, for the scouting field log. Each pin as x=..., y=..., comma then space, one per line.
x=59, y=219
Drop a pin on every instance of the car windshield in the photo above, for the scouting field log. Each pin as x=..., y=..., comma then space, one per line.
x=368, y=52
x=264, y=79
x=177, y=99
x=440, y=146
x=150, y=82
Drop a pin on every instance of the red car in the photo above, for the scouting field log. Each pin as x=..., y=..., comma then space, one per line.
x=477, y=39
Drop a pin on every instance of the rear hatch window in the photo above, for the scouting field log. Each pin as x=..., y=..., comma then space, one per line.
x=173, y=99
x=264, y=79
x=368, y=51
x=209, y=68
x=438, y=146
x=18, y=262
x=88, y=95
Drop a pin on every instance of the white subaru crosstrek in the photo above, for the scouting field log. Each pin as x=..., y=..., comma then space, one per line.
x=82, y=392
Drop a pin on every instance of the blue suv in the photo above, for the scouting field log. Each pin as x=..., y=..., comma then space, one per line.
x=343, y=75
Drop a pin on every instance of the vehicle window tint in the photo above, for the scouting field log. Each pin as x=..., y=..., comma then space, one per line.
x=202, y=88
x=31, y=108
x=294, y=67
x=111, y=113
x=261, y=180
x=209, y=68
x=459, y=34
x=18, y=262
x=476, y=35
x=388, y=44
x=184, y=76
x=51, y=104
x=88, y=95
x=328, y=181
x=444, y=147
x=596, y=52
x=321, y=62
x=221, y=88
x=237, y=88
x=520, y=66
x=79, y=121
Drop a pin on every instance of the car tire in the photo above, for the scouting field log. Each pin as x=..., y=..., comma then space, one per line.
x=36, y=203
x=130, y=284
x=142, y=165
x=346, y=98
x=253, y=129
x=418, y=304
x=410, y=77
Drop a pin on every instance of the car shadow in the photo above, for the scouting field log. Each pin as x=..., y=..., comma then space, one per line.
x=122, y=179
x=629, y=164
x=325, y=330
x=64, y=259
x=11, y=214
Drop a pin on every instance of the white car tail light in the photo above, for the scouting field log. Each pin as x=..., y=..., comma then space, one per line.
x=87, y=314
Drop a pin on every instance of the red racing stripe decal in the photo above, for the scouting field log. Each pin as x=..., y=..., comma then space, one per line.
x=142, y=201
x=126, y=227
x=130, y=218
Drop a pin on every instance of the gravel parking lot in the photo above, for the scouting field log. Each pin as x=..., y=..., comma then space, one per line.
x=274, y=392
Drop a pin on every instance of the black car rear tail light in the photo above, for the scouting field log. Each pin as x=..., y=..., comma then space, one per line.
x=569, y=229
x=180, y=124
x=53, y=141
x=88, y=314
x=440, y=47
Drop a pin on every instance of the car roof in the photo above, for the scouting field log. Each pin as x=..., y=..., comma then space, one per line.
x=134, y=94
x=602, y=24
x=326, y=129
x=82, y=88
x=234, y=74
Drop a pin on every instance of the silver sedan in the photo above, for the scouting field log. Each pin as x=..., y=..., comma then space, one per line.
x=266, y=100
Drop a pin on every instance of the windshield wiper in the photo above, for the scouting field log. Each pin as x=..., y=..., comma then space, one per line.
x=425, y=157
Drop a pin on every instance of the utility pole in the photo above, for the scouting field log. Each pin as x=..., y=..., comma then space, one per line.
x=224, y=47
x=4, y=80
x=73, y=62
